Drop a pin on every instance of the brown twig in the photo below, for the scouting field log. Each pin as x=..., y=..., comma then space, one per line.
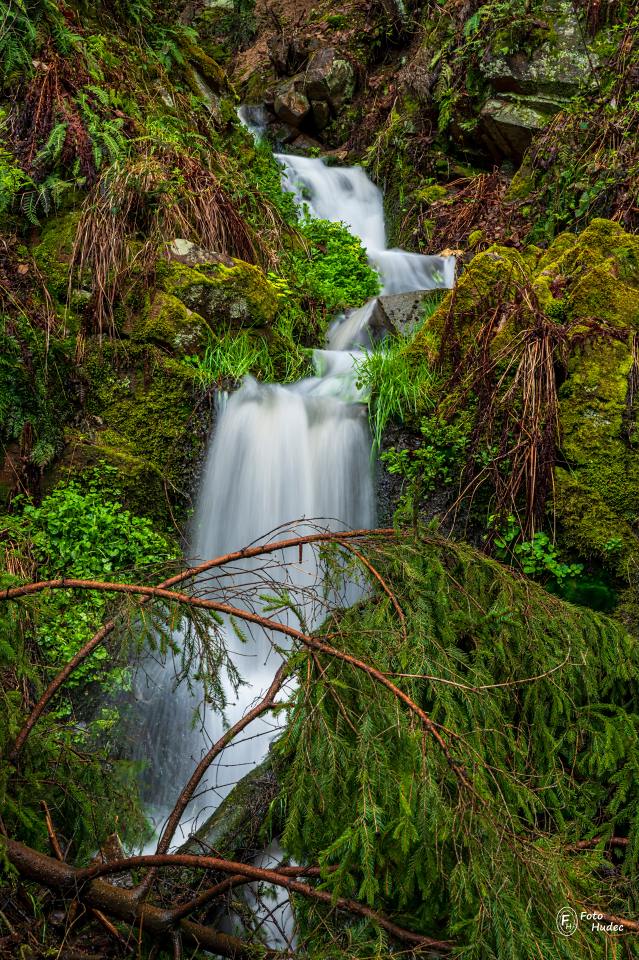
x=122, y=903
x=312, y=643
x=188, y=574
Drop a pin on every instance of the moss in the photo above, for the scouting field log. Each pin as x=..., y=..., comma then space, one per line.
x=167, y=322
x=590, y=277
x=151, y=422
x=53, y=253
x=599, y=294
x=236, y=296
x=141, y=483
x=491, y=277
x=598, y=496
x=430, y=193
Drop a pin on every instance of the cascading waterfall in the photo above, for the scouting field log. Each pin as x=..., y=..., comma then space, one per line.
x=281, y=454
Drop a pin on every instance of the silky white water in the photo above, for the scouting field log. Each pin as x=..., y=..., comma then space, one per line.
x=280, y=457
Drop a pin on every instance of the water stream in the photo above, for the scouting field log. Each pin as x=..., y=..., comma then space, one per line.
x=281, y=457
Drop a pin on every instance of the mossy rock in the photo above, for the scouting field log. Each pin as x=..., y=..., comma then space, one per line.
x=154, y=421
x=225, y=297
x=589, y=284
x=492, y=277
x=167, y=322
x=602, y=242
x=597, y=496
x=600, y=295
x=53, y=253
x=140, y=482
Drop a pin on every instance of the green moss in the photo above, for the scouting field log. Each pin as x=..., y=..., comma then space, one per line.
x=492, y=276
x=150, y=423
x=236, y=296
x=430, y=193
x=53, y=253
x=597, y=498
x=141, y=483
x=600, y=295
x=167, y=322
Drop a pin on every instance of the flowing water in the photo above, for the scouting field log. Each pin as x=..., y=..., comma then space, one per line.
x=280, y=458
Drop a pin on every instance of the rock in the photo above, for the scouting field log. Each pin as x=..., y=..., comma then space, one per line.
x=509, y=124
x=168, y=323
x=329, y=77
x=291, y=105
x=233, y=830
x=321, y=114
x=529, y=88
x=559, y=67
x=188, y=253
x=400, y=312
x=282, y=134
x=237, y=296
x=304, y=144
x=288, y=55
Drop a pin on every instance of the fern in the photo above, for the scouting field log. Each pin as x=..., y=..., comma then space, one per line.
x=51, y=152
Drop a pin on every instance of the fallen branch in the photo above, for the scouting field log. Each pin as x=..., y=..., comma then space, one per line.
x=15, y=593
x=312, y=643
x=87, y=884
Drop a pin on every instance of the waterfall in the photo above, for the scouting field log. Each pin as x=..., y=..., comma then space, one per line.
x=280, y=458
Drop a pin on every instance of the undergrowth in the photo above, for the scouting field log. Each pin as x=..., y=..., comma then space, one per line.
x=535, y=700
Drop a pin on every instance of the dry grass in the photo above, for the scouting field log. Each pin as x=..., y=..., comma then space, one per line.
x=516, y=434
x=136, y=206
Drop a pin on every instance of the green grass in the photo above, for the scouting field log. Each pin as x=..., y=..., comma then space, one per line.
x=398, y=389
x=234, y=355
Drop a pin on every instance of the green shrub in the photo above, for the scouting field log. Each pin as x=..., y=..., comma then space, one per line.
x=335, y=271
x=80, y=533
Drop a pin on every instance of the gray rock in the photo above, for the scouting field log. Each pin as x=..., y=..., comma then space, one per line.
x=291, y=105
x=559, y=68
x=399, y=312
x=329, y=77
x=529, y=88
x=508, y=124
x=188, y=253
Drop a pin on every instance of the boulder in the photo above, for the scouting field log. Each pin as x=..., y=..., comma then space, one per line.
x=400, y=312
x=291, y=106
x=530, y=87
x=329, y=77
x=225, y=297
x=559, y=68
x=191, y=255
x=288, y=55
x=508, y=124
x=168, y=323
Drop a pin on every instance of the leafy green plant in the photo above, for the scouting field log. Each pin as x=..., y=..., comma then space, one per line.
x=437, y=462
x=13, y=180
x=538, y=557
x=334, y=269
x=77, y=532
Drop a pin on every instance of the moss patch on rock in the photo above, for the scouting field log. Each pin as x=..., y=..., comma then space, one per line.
x=237, y=296
x=166, y=321
x=149, y=418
